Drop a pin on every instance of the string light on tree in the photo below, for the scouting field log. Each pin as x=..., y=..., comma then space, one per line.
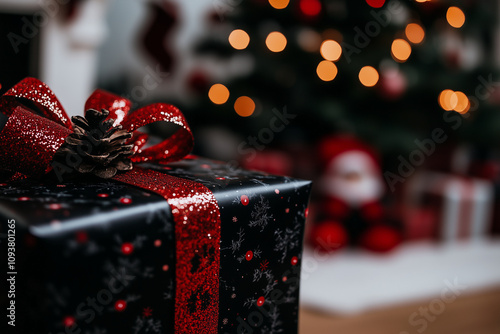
x=244, y=106
x=400, y=50
x=279, y=4
x=331, y=50
x=455, y=17
x=239, y=39
x=310, y=7
x=326, y=70
x=375, y=3
x=218, y=94
x=415, y=33
x=368, y=76
x=463, y=104
x=276, y=41
x=448, y=99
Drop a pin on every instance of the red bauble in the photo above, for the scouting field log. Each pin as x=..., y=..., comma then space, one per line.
x=380, y=239
x=375, y=3
x=329, y=236
x=310, y=7
x=372, y=211
x=260, y=301
x=335, y=208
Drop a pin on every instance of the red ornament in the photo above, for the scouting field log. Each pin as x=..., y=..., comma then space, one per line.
x=24, y=198
x=157, y=243
x=372, y=211
x=381, y=239
x=375, y=3
x=68, y=321
x=127, y=248
x=103, y=195
x=294, y=261
x=125, y=200
x=260, y=301
x=249, y=255
x=120, y=305
x=245, y=200
x=329, y=236
x=310, y=7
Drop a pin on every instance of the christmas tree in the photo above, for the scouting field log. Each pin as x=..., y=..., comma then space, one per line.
x=389, y=72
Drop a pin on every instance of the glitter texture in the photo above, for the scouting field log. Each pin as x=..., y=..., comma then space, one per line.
x=171, y=149
x=28, y=142
x=40, y=95
x=197, y=232
x=117, y=106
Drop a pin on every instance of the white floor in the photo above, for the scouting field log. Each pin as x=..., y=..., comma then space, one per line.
x=354, y=281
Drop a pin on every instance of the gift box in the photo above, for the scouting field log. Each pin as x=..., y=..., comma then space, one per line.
x=448, y=207
x=193, y=246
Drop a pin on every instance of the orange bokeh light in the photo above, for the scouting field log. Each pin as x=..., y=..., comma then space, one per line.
x=326, y=70
x=279, y=4
x=239, y=39
x=368, y=76
x=455, y=17
x=331, y=50
x=244, y=106
x=463, y=103
x=401, y=50
x=415, y=33
x=448, y=99
x=276, y=41
x=218, y=94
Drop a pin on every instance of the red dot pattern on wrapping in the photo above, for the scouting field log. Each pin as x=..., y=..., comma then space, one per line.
x=125, y=200
x=68, y=321
x=120, y=305
x=244, y=200
x=127, y=248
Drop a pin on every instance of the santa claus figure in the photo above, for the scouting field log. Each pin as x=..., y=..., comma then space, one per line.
x=350, y=190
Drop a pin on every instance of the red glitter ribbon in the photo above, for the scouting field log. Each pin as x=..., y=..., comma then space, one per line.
x=37, y=127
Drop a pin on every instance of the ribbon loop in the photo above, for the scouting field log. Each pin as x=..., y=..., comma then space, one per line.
x=40, y=95
x=171, y=149
x=118, y=106
x=53, y=126
x=29, y=142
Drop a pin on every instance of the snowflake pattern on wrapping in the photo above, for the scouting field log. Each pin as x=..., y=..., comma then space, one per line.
x=261, y=215
x=258, y=243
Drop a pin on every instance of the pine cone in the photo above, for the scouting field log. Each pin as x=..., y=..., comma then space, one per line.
x=96, y=146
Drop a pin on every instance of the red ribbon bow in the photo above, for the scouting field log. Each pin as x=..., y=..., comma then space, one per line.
x=29, y=140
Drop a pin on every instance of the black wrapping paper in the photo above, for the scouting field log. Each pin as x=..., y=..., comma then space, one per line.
x=99, y=257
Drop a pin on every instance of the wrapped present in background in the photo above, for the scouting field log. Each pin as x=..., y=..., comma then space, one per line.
x=448, y=207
